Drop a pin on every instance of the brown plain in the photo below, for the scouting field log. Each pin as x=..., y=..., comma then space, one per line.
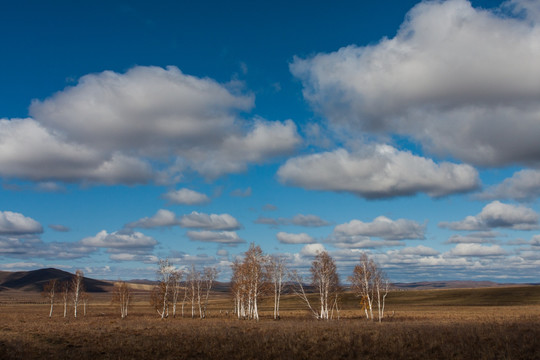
x=485, y=323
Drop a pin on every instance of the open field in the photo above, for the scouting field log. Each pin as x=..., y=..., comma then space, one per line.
x=495, y=323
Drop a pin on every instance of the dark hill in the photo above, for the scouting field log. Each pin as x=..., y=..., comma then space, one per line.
x=35, y=280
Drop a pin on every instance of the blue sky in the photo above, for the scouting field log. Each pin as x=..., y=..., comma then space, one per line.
x=132, y=131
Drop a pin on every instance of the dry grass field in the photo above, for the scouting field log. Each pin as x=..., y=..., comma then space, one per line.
x=494, y=323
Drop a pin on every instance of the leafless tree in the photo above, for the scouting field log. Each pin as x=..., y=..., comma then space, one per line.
x=176, y=283
x=162, y=293
x=371, y=285
x=325, y=280
x=248, y=282
x=85, y=297
x=276, y=273
x=65, y=295
x=298, y=289
x=194, y=281
x=49, y=292
x=122, y=297
x=382, y=286
x=209, y=277
x=77, y=289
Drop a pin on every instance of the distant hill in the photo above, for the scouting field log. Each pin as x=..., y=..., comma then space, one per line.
x=456, y=284
x=35, y=280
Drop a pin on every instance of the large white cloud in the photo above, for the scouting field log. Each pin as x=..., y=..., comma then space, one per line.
x=30, y=150
x=462, y=81
x=377, y=172
x=12, y=223
x=146, y=124
x=147, y=109
x=497, y=215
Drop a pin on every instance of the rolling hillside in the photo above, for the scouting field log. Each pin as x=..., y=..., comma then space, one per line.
x=36, y=279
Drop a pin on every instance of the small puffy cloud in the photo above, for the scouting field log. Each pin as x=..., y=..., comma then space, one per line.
x=497, y=215
x=220, y=237
x=12, y=223
x=149, y=259
x=241, y=192
x=197, y=220
x=308, y=221
x=163, y=218
x=222, y=252
x=186, y=197
x=298, y=220
x=288, y=238
x=119, y=240
x=459, y=80
x=535, y=240
x=419, y=250
x=267, y=221
x=476, y=250
x=474, y=238
x=312, y=249
x=19, y=266
x=382, y=227
x=379, y=171
x=270, y=207
x=30, y=247
x=59, y=228
x=524, y=185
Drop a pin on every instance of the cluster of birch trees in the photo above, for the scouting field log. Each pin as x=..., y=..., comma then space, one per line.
x=68, y=292
x=184, y=287
x=258, y=275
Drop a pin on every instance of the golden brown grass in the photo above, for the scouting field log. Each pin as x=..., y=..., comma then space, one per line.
x=417, y=328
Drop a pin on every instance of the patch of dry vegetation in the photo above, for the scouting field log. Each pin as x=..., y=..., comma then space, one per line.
x=417, y=328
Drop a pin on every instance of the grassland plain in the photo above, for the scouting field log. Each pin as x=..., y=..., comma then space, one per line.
x=494, y=323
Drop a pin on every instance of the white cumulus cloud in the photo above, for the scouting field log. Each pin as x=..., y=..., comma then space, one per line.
x=377, y=172
x=459, y=80
x=288, y=238
x=163, y=218
x=497, y=215
x=186, y=197
x=220, y=237
x=209, y=221
x=12, y=223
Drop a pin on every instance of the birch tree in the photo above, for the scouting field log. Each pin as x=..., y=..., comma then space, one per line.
x=276, y=273
x=194, y=283
x=248, y=282
x=326, y=280
x=298, y=289
x=371, y=285
x=176, y=281
x=65, y=295
x=209, y=277
x=49, y=292
x=77, y=288
x=162, y=293
x=122, y=297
